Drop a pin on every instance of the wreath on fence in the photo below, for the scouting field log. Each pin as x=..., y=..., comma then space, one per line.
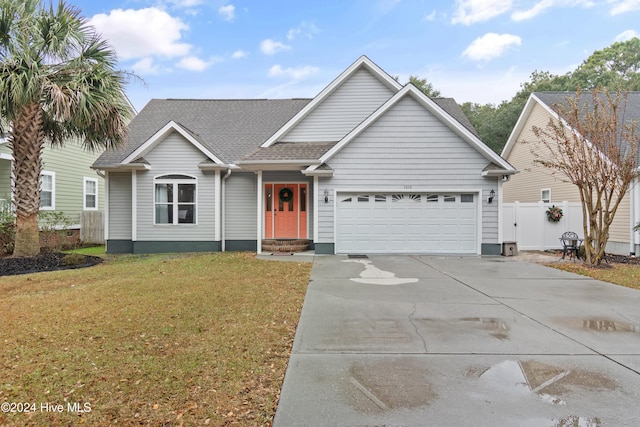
x=554, y=214
x=285, y=194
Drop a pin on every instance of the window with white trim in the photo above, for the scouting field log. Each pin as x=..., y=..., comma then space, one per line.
x=90, y=194
x=47, y=190
x=545, y=195
x=175, y=199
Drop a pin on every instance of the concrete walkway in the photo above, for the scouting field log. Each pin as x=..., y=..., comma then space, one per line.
x=461, y=341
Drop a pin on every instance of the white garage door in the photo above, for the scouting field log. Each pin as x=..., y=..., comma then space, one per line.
x=407, y=223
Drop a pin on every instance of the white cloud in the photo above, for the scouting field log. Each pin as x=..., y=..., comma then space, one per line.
x=293, y=73
x=146, y=67
x=142, y=33
x=193, y=63
x=271, y=47
x=228, y=12
x=536, y=10
x=627, y=35
x=186, y=3
x=490, y=46
x=430, y=17
x=306, y=29
x=464, y=87
x=239, y=54
x=623, y=6
x=471, y=11
x=542, y=5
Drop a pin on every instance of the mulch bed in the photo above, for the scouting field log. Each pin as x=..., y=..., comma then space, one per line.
x=622, y=259
x=10, y=266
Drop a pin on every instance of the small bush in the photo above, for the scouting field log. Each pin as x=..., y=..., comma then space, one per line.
x=7, y=229
x=53, y=229
x=74, y=259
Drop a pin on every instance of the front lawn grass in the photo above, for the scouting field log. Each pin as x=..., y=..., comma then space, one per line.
x=621, y=274
x=197, y=339
x=98, y=250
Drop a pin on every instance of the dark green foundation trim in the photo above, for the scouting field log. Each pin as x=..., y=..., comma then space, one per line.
x=241, y=245
x=325, y=248
x=491, y=249
x=163, y=247
x=119, y=246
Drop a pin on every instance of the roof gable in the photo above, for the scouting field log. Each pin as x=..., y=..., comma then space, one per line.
x=363, y=63
x=229, y=128
x=549, y=100
x=161, y=134
x=433, y=108
x=522, y=121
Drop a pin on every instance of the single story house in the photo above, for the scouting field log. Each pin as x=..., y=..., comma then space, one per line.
x=367, y=166
x=535, y=184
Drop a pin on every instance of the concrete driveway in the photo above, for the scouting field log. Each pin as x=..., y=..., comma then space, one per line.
x=461, y=341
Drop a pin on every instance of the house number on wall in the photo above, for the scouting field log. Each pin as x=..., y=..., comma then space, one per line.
x=407, y=187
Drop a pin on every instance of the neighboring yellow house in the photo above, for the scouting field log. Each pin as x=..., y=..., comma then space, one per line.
x=536, y=184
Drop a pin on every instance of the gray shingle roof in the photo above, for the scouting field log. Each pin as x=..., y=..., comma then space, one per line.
x=291, y=151
x=231, y=128
x=451, y=106
x=631, y=112
x=234, y=129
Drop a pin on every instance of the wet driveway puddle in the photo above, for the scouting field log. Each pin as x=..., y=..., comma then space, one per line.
x=388, y=385
x=603, y=325
x=495, y=327
x=372, y=275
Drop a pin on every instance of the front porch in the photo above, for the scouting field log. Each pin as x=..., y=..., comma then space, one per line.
x=285, y=245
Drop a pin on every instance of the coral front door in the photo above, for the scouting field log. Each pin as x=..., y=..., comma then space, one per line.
x=285, y=211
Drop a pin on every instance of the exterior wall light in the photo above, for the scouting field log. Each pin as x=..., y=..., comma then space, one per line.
x=492, y=194
x=326, y=195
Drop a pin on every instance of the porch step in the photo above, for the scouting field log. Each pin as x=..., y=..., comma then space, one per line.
x=285, y=245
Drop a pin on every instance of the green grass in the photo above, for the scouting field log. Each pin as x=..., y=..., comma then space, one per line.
x=157, y=339
x=91, y=250
x=620, y=274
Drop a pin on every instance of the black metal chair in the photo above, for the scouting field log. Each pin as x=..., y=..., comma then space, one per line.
x=570, y=244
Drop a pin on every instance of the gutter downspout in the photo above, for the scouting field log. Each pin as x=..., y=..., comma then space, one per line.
x=223, y=200
x=259, y=213
x=634, y=193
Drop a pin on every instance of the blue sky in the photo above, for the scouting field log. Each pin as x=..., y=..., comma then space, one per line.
x=471, y=50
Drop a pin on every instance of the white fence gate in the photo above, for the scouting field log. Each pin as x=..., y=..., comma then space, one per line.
x=528, y=226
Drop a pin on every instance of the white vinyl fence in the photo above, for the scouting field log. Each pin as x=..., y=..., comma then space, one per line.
x=528, y=226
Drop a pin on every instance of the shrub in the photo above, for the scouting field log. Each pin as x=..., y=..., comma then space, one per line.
x=53, y=228
x=7, y=229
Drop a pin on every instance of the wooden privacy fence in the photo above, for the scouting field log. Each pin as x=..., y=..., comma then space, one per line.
x=92, y=227
x=528, y=226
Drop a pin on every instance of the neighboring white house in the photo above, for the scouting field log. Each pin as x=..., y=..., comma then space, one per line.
x=367, y=166
x=528, y=194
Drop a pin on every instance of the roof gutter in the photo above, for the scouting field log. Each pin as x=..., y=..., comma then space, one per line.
x=123, y=166
x=499, y=172
x=277, y=164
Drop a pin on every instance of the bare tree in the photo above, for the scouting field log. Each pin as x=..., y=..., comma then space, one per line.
x=594, y=146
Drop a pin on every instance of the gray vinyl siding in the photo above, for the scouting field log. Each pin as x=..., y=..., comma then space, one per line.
x=119, y=206
x=408, y=149
x=175, y=155
x=344, y=109
x=241, y=206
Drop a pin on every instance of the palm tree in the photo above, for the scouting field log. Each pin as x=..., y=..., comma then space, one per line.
x=57, y=81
